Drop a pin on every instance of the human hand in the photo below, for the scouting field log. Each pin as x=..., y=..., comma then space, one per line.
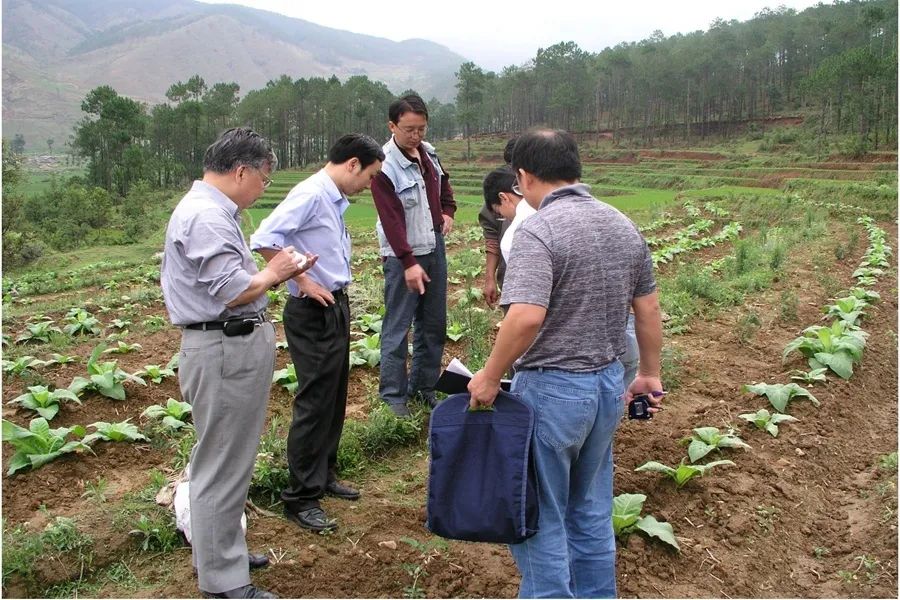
x=490, y=291
x=285, y=264
x=313, y=290
x=416, y=278
x=649, y=385
x=447, y=225
x=483, y=390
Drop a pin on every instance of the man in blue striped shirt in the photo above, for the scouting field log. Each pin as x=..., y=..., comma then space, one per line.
x=317, y=320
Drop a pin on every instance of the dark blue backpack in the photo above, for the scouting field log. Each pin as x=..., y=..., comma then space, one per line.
x=481, y=484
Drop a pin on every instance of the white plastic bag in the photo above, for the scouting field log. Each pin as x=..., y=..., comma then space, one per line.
x=182, y=505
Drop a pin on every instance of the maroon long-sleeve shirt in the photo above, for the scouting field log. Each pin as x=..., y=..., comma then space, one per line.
x=390, y=209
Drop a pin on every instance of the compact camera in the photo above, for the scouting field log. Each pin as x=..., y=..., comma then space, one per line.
x=639, y=408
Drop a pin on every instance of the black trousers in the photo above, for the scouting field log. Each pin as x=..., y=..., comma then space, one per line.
x=318, y=338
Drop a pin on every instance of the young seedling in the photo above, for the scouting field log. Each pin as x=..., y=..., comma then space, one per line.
x=683, y=473
x=810, y=377
x=38, y=445
x=61, y=359
x=105, y=377
x=21, y=365
x=287, y=378
x=155, y=373
x=81, y=322
x=370, y=321
x=779, y=394
x=38, y=332
x=366, y=351
x=123, y=348
x=114, y=432
x=120, y=323
x=767, y=421
x=456, y=332
x=46, y=403
x=836, y=347
x=626, y=518
x=706, y=439
x=174, y=414
x=850, y=309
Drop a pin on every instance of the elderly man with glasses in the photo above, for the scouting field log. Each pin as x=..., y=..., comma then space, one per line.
x=215, y=293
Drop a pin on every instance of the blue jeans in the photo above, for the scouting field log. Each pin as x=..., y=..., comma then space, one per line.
x=428, y=315
x=631, y=358
x=573, y=555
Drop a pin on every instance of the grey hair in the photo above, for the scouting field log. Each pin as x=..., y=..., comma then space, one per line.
x=236, y=147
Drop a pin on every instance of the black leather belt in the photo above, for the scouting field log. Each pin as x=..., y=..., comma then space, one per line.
x=231, y=327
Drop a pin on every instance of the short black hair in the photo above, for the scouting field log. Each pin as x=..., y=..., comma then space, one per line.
x=355, y=145
x=408, y=103
x=508, y=150
x=548, y=154
x=236, y=147
x=499, y=180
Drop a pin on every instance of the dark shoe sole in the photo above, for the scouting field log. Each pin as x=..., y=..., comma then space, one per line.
x=308, y=526
x=351, y=497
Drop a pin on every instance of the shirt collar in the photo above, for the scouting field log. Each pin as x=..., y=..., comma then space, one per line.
x=330, y=187
x=216, y=195
x=405, y=159
x=575, y=189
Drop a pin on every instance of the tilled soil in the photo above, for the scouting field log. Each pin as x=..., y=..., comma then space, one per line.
x=807, y=514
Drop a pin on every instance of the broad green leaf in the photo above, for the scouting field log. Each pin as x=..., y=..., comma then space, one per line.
x=48, y=412
x=18, y=461
x=658, y=467
x=697, y=449
x=626, y=510
x=663, y=531
x=840, y=362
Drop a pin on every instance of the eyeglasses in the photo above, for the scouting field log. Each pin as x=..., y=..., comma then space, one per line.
x=411, y=130
x=515, y=188
x=267, y=181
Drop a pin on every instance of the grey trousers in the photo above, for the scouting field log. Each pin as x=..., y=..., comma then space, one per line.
x=226, y=380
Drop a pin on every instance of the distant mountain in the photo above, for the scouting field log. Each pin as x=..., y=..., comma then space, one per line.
x=55, y=51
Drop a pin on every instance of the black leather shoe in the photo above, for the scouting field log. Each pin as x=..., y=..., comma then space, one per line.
x=340, y=490
x=313, y=519
x=248, y=591
x=258, y=561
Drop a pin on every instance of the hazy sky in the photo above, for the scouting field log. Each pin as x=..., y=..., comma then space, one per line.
x=496, y=34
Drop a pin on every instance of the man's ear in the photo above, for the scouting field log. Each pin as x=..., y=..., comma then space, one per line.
x=352, y=164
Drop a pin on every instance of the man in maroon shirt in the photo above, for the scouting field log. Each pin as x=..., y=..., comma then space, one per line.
x=415, y=211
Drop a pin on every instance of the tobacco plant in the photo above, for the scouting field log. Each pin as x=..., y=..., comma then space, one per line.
x=286, y=377
x=626, y=519
x=706, y=439
x=106, y=378
x=683, y=473
x=810, y=377
x=38, y=332
x=155, y=373
x=366, y=351
x=779, y=394
x=38, y=445
x=122, y=431
x=174, y=414
x=21, y=365
x=836, y=347
x=44, y=402
x=81, y=322
x=767, y=421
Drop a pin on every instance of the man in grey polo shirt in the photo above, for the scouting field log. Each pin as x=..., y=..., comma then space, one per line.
x=214, y=291
x=576, y=267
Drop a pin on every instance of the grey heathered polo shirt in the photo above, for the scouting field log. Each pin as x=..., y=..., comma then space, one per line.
x=583, y=261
